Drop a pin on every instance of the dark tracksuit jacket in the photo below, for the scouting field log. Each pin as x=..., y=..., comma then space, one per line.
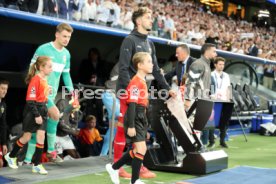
x=133, y=43
x=199, y=79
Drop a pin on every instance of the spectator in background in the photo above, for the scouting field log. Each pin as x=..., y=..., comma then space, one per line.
x=111, y=16
x=237, y=48
x=160, y=25
x=253, y=49
x=4, y=84
x=92, y=70
x=30, y=5
x=50, y=8
x=186, y=15
x=268, y=79
x=255, y=19
x=33, y=6
x=183, y=65
x=103, y=11
x=90, y=138
x=227, y=43
x=194, y=41
x=66, y=8
x=220, y=82
x=76, y=15
x=125, y=17
x=117, y=14
x=12, y=4
x=89, y=11
x=169, y=26
x=155, y=24
x=40, y=7
x=211, y=38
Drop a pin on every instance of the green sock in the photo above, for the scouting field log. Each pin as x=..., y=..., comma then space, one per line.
x=51, y=134
x=31, y=149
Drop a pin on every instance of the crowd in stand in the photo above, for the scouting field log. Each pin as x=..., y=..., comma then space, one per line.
x=178, y=20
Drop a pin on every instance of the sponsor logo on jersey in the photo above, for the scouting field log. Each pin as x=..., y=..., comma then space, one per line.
x=134, y=93
x=33, y=93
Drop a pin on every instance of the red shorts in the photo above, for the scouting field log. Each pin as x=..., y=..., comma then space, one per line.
x=1, y=152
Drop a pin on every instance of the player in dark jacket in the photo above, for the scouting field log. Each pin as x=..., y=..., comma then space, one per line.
x=136, y=41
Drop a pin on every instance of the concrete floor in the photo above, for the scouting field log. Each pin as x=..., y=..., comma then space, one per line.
x=65, y=169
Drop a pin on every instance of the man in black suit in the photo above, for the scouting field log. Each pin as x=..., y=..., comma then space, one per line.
x=184, y=62
x=253, y=49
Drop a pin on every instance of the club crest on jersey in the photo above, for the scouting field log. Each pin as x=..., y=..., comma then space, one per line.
x=134, y=93
x=64, y=59
x=2, y=110
x=33, y=93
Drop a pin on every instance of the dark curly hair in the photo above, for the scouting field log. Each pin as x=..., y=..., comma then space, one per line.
x=139, y=13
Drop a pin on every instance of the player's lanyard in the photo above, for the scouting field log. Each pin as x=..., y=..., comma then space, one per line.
x=217, y=79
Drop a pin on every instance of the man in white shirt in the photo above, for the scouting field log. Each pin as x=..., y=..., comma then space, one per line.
x=89, y=11
x=220, y=89
x=103, y=12
x=117, y=14
x=220, y=80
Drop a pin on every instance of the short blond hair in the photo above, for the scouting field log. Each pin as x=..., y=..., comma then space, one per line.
x=139, y=57
x=63, y=26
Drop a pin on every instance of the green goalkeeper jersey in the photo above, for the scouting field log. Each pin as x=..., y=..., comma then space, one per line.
x=61, y=66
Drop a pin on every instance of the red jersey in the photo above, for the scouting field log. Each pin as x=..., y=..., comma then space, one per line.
x=138, y=91
x=38, y=90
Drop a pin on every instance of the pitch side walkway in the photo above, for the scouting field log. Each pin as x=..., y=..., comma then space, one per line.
x=66, y=169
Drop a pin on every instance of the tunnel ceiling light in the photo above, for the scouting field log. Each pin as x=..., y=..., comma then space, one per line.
x=263, y=13
x=212, y=3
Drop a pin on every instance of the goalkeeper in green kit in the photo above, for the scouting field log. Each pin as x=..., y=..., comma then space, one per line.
x=61, y=67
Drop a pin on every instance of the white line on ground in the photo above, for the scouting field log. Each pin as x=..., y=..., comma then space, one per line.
x=264, y=149
x=158, y=182
x=98, y=174
x=234, y=147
